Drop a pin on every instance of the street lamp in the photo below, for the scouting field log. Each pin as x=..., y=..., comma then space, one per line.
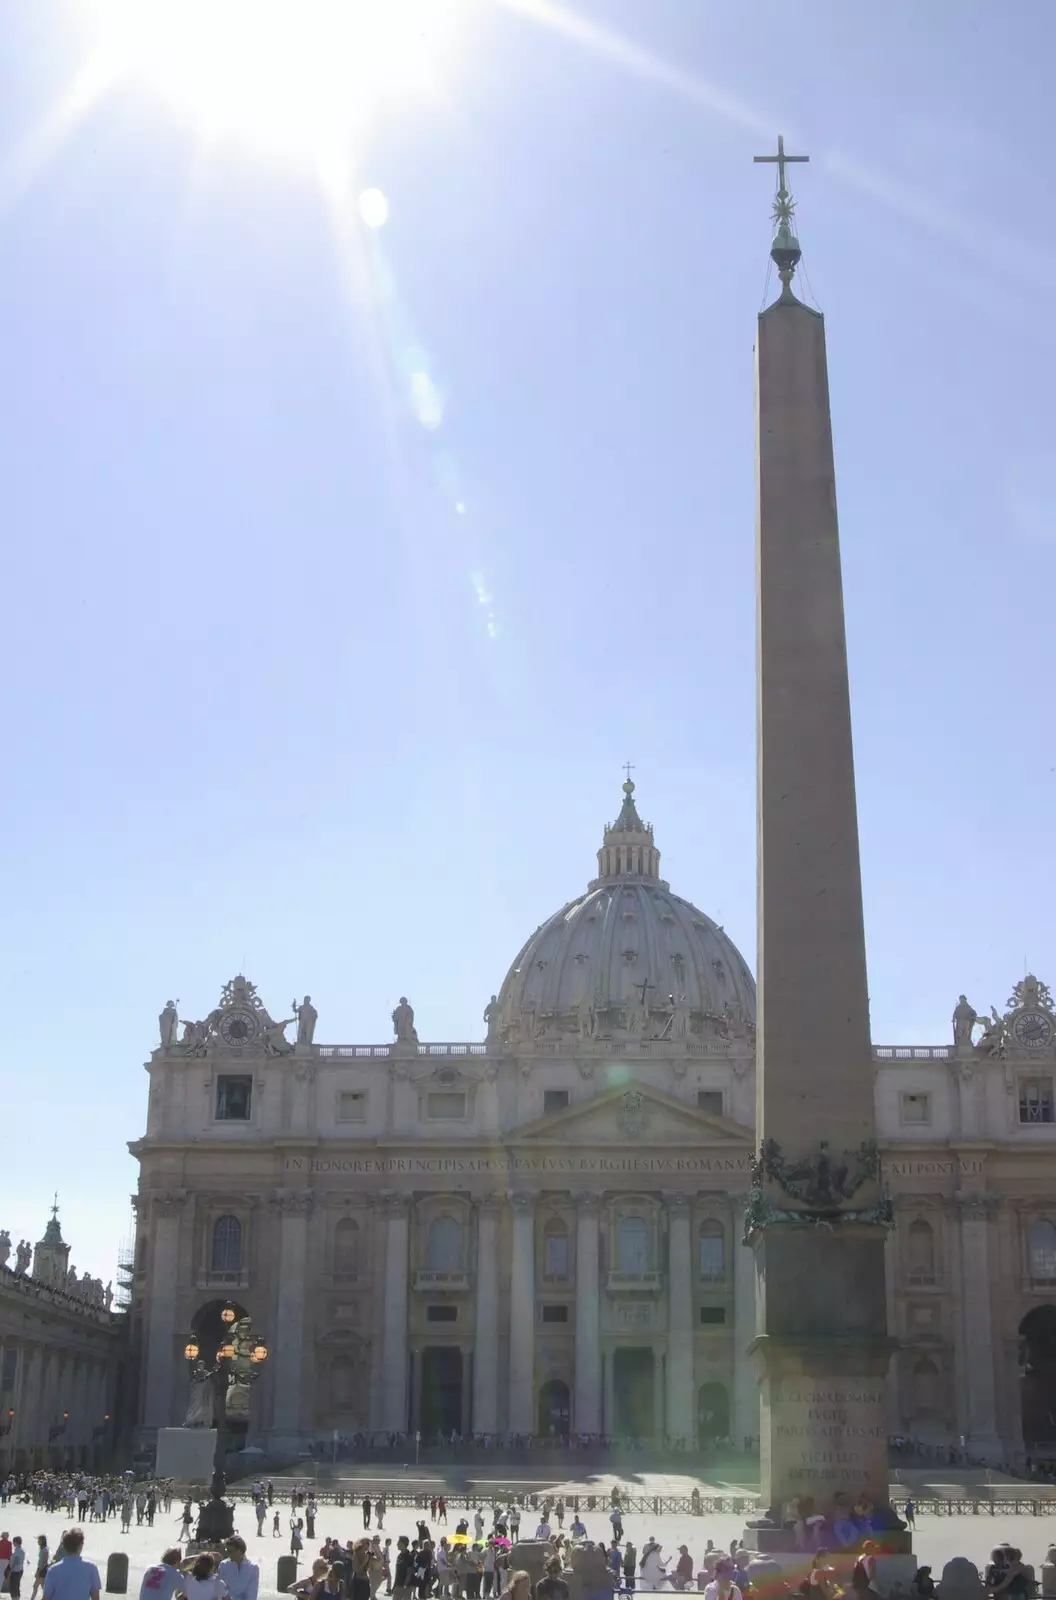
x=239, y=1357
x=8, y=1422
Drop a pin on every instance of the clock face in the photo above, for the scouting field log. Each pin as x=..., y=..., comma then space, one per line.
x=1033, y=1029
x=238, y=1027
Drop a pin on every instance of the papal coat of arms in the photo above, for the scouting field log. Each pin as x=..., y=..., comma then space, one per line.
x=632, y=1117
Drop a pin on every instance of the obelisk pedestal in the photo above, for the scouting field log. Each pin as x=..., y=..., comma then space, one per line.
x=817, y=1213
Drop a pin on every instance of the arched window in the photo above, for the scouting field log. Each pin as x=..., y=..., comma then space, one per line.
x=342, y=1384
x=443, y=1251
x=926, y=1388
x=920, y=1252
x=555, y=1249
x=712, y=1250
x=1042, y=1239
x=632, y=1245
x=346, y=1246
x=227, y=1245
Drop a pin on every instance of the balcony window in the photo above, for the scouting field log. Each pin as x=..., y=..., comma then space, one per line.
x=346, y=1247
x=632, y=1245
x=441, y=1313
x=234, y=1095
x=712, y=1251
x=555, y=1250
x=554, y=1100
x=443, y=1251
x=710, y=1100
x=1035, y=1100
x=712, y=1316
x=555, y=1313
x=1042, y=1241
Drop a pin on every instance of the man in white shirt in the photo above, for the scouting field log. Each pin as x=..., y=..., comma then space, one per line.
x=241, y=1575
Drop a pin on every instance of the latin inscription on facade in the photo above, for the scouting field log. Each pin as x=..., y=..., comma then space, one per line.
x=386, y=1166
x=939, y=1168
x=827, y=1435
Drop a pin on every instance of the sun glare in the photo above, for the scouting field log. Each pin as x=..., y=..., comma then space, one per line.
x=295, y=77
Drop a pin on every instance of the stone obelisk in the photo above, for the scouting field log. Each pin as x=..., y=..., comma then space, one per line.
x=817, y=1213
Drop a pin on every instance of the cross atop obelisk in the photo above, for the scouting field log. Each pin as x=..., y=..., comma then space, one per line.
x=784, y=251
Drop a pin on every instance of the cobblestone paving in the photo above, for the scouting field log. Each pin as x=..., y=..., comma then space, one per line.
x=937, y=1538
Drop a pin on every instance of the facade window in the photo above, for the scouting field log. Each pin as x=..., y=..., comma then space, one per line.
x=712, y=1250
x=234, y=1097
x=710, y=1100
x=926, y=1388
x=632, y=1245
x=445, y=1105
x=443, y=1251
x=710, y=1316
x=8, y=1371
x=227, y=1245
x=342, y=1384
x=441, y=1313
x=555, y=1250
x=920, y=1252
x=1035, y=1100
x=554, y=1100
x=555, y=1313
x=346, y=1246
x=914, y=1109
x=1042, y=1241
x=352, y=1105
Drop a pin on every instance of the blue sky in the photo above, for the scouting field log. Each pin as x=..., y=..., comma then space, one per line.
x=345, y=568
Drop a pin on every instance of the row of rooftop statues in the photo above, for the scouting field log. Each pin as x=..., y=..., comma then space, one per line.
x=90, y=1291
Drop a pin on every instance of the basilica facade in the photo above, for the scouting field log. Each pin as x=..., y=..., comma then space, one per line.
x=541, y=1232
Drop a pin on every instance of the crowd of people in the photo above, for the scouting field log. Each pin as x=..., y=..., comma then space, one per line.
x=88, y=1498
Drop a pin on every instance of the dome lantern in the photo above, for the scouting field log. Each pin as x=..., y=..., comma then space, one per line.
x=627, y=849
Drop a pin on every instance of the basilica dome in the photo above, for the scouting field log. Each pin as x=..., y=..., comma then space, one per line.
x=628, y=956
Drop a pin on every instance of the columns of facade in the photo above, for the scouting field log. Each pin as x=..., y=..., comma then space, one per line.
x=980, y=1424
x=486, y=1343
x=394, y=1315
x=587, y=1405
x=294, y=1208
x=522, y=1418
x=745, y=1381
x=166, y=1209
x=681, y=1409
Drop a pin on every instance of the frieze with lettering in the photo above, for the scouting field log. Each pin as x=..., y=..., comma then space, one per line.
x=506, y=1165
x=937, y=1167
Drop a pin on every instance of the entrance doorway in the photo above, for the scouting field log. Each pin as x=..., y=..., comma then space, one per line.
x=555, y=1409
x=632, y=1382
x=1038, y=1384
x=441, y=1393
x=713, y=1412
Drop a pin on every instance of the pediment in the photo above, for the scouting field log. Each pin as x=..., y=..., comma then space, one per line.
x=634, y=1114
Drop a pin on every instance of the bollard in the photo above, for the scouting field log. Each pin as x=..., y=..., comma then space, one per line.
x=117, y=1572
x=285, y=1573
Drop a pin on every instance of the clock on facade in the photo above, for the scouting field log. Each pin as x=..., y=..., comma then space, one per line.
x=1033, y=1029
x=238, y=1027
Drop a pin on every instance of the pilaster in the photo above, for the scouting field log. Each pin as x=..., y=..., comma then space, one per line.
x=394, y=1323
x=522, y=1316
x=681, y=1405
x=486, y=1344
x=586, y=1417
x=166, y=1211
x=294, y=1206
